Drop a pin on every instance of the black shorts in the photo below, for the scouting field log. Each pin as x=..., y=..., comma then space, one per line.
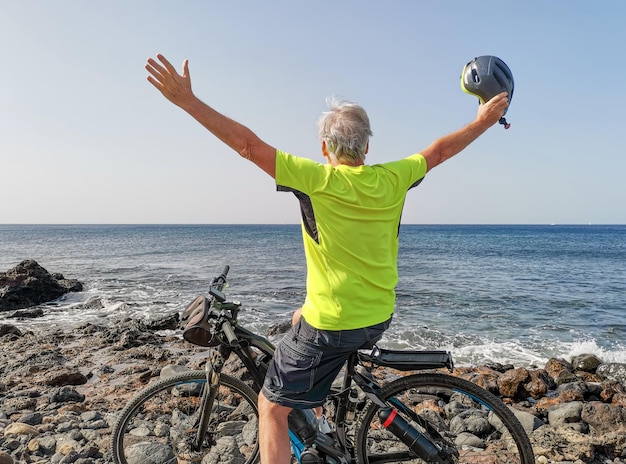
x=307, y=361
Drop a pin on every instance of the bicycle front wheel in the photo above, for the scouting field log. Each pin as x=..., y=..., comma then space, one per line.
x=467, y=423
x=160, y=424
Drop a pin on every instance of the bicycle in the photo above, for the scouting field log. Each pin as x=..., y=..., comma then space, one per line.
x=206, y=416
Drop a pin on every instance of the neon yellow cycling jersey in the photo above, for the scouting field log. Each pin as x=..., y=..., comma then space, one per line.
x=350, y=224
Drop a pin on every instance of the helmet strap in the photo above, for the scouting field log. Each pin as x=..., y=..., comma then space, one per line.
x=504, y=123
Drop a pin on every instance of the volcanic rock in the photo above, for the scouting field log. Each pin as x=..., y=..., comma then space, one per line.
x=28, y=284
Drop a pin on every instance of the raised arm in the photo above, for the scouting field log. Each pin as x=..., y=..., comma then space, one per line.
x=449, y=145
x=177, y=89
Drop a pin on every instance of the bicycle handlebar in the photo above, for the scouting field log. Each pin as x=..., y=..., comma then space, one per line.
x=227, y=328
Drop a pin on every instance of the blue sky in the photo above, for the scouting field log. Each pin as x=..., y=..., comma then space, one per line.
x=84, y=138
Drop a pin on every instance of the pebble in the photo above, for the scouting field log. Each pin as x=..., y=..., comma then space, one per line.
x=5, y=458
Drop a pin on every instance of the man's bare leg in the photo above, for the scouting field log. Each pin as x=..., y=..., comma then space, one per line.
x=297, y=314
x=273, y=432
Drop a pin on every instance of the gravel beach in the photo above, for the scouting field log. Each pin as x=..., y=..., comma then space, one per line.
x=60, y=391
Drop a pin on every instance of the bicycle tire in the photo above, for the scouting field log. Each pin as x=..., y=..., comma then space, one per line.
x=469, y=423
x=159, y=424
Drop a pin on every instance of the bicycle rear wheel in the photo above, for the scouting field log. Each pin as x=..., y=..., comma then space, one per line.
x=159, y=425
x=468, y=423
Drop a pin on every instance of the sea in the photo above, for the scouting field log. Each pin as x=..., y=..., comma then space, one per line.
x=510, y=294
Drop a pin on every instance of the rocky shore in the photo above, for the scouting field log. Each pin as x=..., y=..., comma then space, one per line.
x=60, y=391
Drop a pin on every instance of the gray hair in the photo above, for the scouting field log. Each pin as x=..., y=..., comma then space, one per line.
x=345, y=129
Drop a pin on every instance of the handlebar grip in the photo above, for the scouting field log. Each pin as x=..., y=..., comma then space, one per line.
x=220, y=280
x=230, y=334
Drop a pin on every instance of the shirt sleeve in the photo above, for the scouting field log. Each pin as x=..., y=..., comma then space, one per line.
x=420, y=168
x=411, y=169
x=297, y=173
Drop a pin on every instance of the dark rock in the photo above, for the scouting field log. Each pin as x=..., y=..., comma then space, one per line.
x=70, y=457
x=539, y=384
x=528, y=420
x=29, y=313
x=611, y=389
x=12, y=405
x=603, y=417
x=278, y=329
x=565, y=413
x=556, y=366
x=89, y=329
x=546, y=403
x=46, y=445
x=28, y=284
x=487, y=380
x=511, y=383
x=65, y=394
x=586, y=362
x=33, y=418
x=90, y=416
x=589, y=391
x=498, y=367
x=613, y=371
x=165, y=323
x=62, y=377
x=89, y=452
x=95, y=302
x=8, y=329
x=483, y=376
x=564, y=377
x=42, y=360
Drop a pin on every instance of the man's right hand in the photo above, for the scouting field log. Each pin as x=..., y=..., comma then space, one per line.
x=449, y=145
x=175, y=87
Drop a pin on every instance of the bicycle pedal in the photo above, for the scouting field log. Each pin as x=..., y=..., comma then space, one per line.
x=323, y=425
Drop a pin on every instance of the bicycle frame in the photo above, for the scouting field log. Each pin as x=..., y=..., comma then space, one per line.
x=234, y=338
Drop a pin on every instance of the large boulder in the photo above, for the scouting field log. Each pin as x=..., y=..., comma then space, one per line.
x=28, y=284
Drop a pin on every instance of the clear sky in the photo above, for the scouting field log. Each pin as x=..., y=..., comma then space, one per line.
x=84, y=138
